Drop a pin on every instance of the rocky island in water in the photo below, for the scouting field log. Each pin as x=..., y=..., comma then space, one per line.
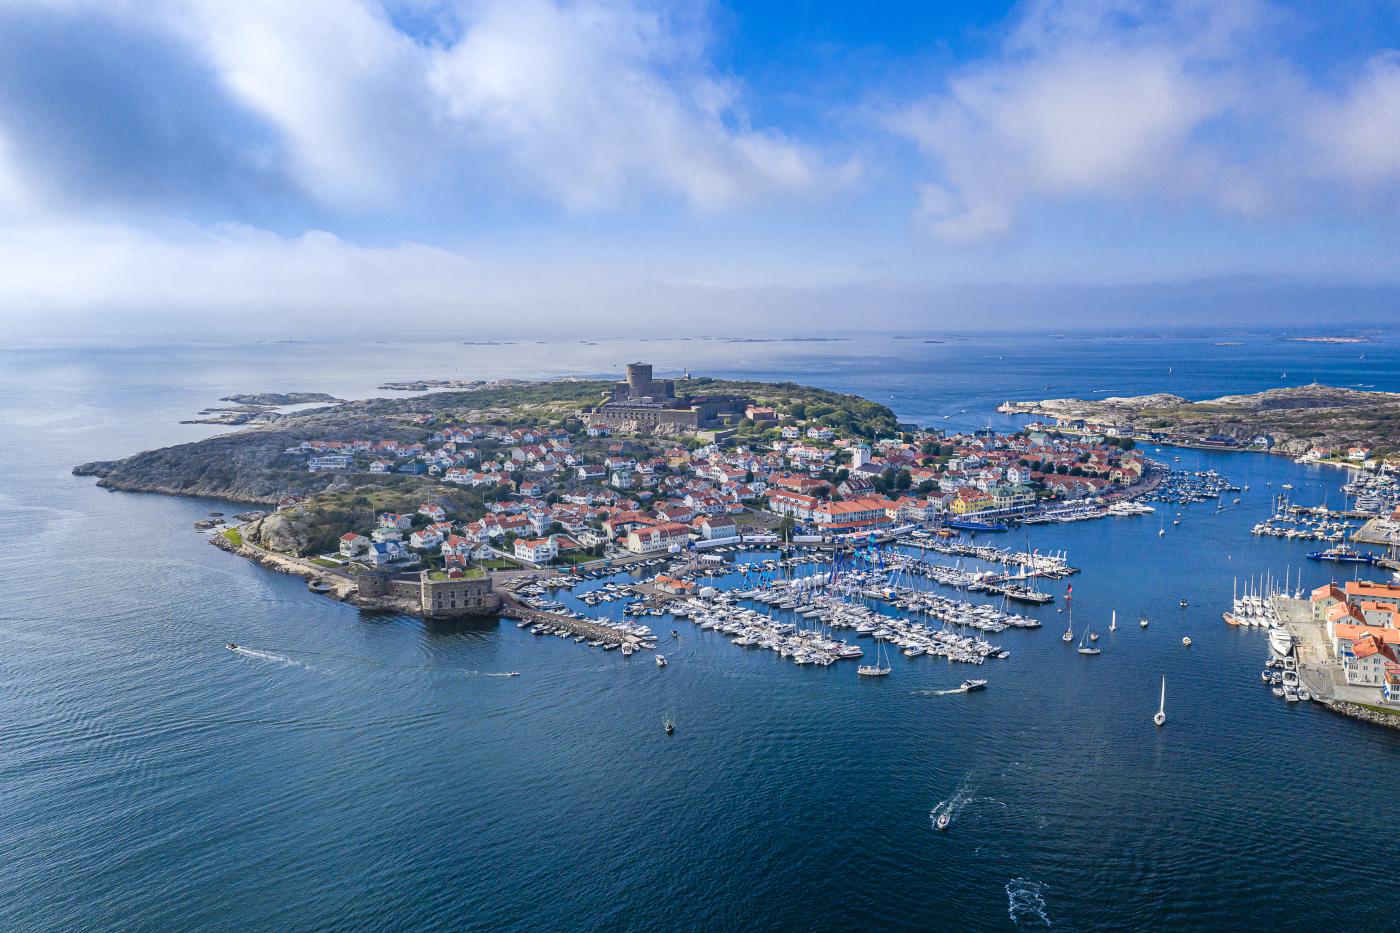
x=1314, y=421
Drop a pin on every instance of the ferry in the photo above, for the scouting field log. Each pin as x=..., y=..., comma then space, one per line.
x=1343, y=555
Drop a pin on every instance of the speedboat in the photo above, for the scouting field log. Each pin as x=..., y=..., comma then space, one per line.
x=941, y=824
x=1186, y=640
x=231, y=646
x=661, y=660
x=670, y=727
x=970, y=685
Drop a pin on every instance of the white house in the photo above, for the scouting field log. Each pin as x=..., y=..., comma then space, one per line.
x=353, y=545
x=536, y=550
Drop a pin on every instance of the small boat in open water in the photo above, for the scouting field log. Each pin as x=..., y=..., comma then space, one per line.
x=941, y=824
x=1161, y=718
x=972, y=684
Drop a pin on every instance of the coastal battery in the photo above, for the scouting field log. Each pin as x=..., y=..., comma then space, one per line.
x=435, y=599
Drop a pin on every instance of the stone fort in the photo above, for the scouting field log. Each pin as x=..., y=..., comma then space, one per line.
x=643, y=402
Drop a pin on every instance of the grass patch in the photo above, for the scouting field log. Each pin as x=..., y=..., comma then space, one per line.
x=322, y=562
x=1391, y=711
x=234, y=536
x=468, y=573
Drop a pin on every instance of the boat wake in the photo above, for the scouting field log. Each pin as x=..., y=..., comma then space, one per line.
x=270, y=656
x=937, y=693
x=963, y=798
x=1026, y=898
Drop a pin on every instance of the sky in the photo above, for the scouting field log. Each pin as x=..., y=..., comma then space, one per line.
x=503, y=167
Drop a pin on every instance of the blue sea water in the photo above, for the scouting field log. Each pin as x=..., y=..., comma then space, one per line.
x=369, y=772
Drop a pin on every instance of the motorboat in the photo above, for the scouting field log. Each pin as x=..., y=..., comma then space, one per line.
x=670, y=727
x=231, y=646
x=1161, y=718
x=970, y=685
x=941, y=824
x=661, y=660
x=1186, y=640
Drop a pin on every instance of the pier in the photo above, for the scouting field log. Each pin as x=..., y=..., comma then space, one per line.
x=513, y=608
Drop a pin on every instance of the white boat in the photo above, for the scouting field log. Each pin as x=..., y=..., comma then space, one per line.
x=627, y=649
x=970, y=685
x=1161, y=718
x=1186, y=640
x=1087, y=649
x=941, y=824
x=1281, y=642
x=881, y=667
x=1113, y=622
x=1142, y=623
x=661, y=660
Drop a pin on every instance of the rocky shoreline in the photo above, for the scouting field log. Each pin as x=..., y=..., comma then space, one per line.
x=1353, y=711
x=340, y=588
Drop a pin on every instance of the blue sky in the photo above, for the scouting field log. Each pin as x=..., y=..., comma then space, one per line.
x=496, y=165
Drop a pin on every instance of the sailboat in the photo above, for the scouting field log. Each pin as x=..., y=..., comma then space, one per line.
x=1087, y=649
x=881, y=667
x=1161, y=717
x=1068, y=636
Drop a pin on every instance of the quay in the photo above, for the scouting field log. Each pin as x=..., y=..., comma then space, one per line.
x=513, y=608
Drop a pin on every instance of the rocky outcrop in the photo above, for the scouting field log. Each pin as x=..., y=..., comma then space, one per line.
x=1374, y=717
x=289, y=531
x=277, y=399
x=1297, y=419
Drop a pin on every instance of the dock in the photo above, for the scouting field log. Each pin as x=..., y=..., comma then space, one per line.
x=513, y=608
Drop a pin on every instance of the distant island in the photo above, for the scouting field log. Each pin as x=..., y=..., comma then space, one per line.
x=1319, y=423
x=260, y=408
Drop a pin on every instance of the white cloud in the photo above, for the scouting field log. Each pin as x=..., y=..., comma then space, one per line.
x=1179, y=102
x=582, y=103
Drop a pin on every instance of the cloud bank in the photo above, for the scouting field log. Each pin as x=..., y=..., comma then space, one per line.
x=1180, y=102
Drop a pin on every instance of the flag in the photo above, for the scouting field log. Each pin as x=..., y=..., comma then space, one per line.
x=1069, y=591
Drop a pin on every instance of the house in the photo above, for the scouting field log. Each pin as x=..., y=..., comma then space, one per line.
x=380, y=466
x=674, y=585
x=782, y=502
x=536, y=550
x=1324, y=598
x=866, y=512
x=716, y=527
x=1364, y=651
x=651, y=539
x=386, y=552
x=433, y=511
x=328, y=462
x=353, y=545
x=425, y=539
x=401, y=520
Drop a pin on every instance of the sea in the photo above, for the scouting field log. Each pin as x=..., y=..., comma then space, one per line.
x=347, y=771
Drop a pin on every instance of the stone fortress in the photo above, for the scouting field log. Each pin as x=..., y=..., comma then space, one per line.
x=644, y=403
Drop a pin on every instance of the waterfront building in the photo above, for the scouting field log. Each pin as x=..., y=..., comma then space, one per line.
x=652, y=539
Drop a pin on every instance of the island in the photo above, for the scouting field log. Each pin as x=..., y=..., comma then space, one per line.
x=1316, y=423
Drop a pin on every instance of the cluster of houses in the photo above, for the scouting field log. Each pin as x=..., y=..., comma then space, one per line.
x=1362, y=622
x=551, y=494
